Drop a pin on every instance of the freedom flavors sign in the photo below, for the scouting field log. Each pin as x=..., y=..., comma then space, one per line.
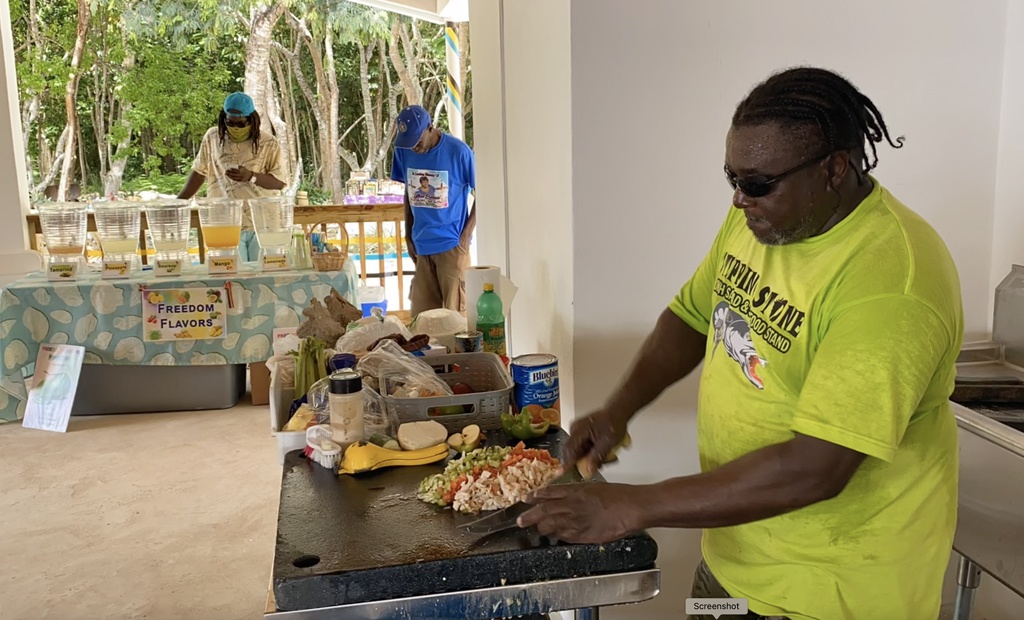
x=184, y=314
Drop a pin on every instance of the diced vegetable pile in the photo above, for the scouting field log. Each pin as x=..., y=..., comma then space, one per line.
x=440, y=489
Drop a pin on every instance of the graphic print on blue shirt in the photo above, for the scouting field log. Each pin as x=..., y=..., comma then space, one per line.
x=428, y=188
x=437, y=184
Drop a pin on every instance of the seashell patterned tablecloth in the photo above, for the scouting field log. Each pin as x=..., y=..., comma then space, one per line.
x=105, y=316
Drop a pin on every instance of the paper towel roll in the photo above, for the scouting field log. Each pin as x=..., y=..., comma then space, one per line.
x=476, y=277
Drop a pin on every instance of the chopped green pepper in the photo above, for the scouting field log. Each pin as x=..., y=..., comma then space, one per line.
x=522, y=427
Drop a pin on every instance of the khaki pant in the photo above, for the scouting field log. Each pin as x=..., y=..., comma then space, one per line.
x=440, y=281
x=705, y=585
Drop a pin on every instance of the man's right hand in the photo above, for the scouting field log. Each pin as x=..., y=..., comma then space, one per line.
x=411, y=249
x=592, y=439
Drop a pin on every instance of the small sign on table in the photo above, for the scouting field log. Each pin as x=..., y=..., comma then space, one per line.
x=57, y=272
x=275, y=262
x=184, y=314
x=222, y=264
x=116, y=269
x=54, y=385
x=167, y=267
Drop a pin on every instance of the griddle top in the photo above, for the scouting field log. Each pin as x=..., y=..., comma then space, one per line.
x=353, y=539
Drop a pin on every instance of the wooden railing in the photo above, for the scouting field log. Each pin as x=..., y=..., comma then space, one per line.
x=319, y=217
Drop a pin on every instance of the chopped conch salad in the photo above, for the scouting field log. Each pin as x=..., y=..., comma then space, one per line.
x=490, y=478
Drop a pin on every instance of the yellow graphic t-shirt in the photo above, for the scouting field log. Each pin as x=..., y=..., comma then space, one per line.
x=850, y=337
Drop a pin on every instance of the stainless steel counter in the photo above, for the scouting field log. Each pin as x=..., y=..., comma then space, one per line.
x=584, y=595
x=990, y=528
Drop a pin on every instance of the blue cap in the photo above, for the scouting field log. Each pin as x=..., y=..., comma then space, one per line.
x=240, y=102
x=412, y=122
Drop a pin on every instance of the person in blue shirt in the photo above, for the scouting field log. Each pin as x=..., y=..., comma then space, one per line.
x=439, y=173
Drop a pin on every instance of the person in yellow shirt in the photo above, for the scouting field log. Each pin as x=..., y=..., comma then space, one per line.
x=238, y=159
x=828, y=318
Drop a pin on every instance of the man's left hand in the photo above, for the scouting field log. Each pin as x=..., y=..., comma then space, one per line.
x=240, y=174
x=587, y=513
x=464, y=243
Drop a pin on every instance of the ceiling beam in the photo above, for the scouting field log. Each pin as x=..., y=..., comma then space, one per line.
x=436, y=11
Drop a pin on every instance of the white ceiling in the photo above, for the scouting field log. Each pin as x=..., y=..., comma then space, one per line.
x=437, y=11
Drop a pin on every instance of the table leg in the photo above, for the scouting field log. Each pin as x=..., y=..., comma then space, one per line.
x=589, y=613
x=968, y=577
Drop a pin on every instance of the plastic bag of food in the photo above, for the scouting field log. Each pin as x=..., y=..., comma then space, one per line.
x=282, y=365
x=400, y=374
x=369, y=366
x=411, y=378
x=357, y=341
x=377, y=418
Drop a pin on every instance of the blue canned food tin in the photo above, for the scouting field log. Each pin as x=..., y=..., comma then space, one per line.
x=536, y=387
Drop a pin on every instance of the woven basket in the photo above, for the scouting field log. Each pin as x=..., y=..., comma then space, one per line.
x=330, y=261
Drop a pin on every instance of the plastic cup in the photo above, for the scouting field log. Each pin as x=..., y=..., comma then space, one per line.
x=273, y=218
x=221, y=221
x=169, y=222
x=117, y=225
x=64, y=230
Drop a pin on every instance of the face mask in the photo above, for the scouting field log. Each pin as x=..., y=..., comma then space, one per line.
x=239, y=134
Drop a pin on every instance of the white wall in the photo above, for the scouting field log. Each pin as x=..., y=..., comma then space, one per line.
x=13, y=184
x=528, y=59
x=654, y=84
x=1007, y=247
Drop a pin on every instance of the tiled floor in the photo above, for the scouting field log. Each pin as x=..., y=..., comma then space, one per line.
x=173, y=516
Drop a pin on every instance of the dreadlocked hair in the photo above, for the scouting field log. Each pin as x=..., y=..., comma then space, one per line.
x=254, y=122
x=807, y=97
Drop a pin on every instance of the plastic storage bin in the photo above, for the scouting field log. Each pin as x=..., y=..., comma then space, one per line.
x=109, y=388
x=280, y=405
x=371, y=297
x=483, y=372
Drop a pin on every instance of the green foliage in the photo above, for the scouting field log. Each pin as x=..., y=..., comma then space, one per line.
x=175, y=98
x=162, y=183
x=316, y=195
x=166, y=65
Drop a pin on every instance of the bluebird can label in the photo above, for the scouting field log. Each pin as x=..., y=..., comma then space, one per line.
x=536, y=387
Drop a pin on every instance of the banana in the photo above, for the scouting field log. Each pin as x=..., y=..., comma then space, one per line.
x=363, y=456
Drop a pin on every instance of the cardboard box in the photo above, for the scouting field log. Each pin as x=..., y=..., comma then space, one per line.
x=259, y=381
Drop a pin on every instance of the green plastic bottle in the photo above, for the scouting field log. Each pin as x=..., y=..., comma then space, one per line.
x=490, y=320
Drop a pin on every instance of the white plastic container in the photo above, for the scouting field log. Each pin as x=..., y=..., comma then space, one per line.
x=280, y=404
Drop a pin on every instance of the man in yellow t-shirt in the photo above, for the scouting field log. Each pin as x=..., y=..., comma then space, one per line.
x=828, y=319
x=237, y=159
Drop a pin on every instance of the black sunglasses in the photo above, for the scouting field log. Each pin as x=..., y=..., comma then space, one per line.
x=239, y=123
x=759, y=185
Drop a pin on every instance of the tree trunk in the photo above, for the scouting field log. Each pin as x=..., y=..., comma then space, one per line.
x=29, y=114
x=101, y=106
x=51, y=172
x=116, y=157
x=407, y=68
x=337, y=188
x=31, y=104
x=464, y=69
x=70, y=96
x=263, y=18
x=83, y=169
x=257, y=52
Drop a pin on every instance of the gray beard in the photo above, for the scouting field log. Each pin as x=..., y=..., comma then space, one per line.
x=802, y=230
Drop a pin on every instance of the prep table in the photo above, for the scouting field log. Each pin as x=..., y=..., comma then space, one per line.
x=365, y=547
x=988, y=402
